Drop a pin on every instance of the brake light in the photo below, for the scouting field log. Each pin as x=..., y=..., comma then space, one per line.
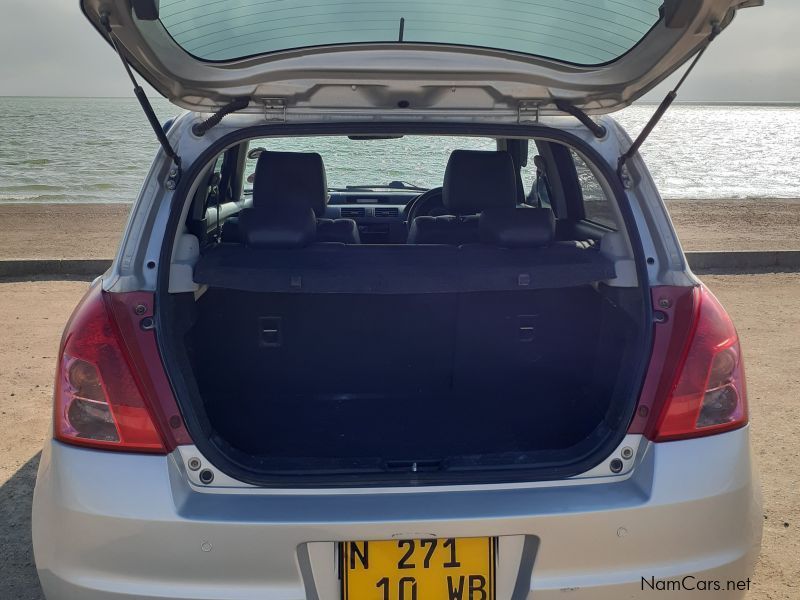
x=707, y=394
x=98, y=402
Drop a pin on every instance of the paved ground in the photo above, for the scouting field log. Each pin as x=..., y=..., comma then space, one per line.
x=766, y=309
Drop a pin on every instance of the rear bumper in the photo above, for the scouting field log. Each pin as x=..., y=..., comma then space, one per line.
x=120, y=526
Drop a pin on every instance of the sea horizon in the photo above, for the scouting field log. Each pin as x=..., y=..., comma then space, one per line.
x=98, y=150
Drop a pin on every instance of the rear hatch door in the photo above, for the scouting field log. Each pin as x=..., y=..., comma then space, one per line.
x=599, y=55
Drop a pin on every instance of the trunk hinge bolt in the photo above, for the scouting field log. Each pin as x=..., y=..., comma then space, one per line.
x=625, y=177
x=140, y=309
x=193, y=464
x=664, y=302
x=172, y=178
x=626, y=453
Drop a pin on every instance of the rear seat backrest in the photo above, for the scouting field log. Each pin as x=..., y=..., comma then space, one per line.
x=519, y=336
x=289, y=226
x=474, y=180
x=295, y=178
x=517, y=227
x=288, y=178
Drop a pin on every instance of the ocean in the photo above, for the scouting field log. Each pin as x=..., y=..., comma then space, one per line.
x=70, y=150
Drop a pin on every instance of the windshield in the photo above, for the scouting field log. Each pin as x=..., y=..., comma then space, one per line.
x=585, y=32
x=416, y=162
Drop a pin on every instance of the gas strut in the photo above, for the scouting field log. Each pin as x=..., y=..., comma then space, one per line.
x=598, y=130
x=666, y=102
x=142, y=98
x=199, y=129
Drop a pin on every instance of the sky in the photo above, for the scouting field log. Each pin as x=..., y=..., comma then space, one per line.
x=49, y=49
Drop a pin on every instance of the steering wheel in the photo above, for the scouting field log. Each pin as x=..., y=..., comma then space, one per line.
x=423, y=204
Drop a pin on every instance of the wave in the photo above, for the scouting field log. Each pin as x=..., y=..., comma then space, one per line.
x=33, y=187
x=58, y=199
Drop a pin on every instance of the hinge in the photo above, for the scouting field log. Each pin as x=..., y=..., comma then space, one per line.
x=274, y=109
x=528, y=111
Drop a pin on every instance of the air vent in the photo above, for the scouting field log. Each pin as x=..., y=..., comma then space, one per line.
x=386, y=212
x=353, y=212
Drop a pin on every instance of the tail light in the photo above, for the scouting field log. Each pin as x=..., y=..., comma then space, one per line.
x=702, y=389
x=98, y=402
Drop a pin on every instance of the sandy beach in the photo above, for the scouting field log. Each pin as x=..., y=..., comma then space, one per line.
x=93, y=230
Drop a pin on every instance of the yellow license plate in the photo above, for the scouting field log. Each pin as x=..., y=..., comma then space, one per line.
x=426, y=569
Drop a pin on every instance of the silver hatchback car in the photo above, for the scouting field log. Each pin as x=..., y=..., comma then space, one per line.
x=499, y=382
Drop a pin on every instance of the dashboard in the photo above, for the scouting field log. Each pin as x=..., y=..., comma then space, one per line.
x=380, y=215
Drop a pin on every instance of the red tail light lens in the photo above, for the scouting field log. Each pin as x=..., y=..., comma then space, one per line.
x=97, y=400
x=708, y=395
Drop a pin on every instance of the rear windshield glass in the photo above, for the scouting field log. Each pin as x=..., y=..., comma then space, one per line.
x=586, y=32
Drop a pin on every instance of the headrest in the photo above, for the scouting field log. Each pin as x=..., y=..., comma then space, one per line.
x=476, y=179
x=289, y=178
x=517, y=227
x=289, y=226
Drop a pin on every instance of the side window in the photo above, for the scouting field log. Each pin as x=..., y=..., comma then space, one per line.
x=536, y=180
x=597, y=207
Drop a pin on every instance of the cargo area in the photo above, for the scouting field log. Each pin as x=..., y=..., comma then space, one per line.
x=486, y=333
x=386, y=382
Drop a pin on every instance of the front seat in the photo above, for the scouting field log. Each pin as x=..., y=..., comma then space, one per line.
x=283, y=178
x=474, y=180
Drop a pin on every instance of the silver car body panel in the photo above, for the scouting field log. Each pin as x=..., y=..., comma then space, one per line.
x=433, y=76
x=124, y=526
